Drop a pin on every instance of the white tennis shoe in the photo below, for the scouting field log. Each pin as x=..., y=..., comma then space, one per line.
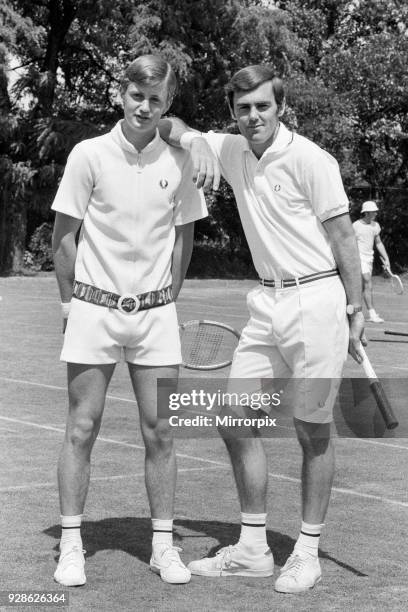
x=299, y=574
x=234, y=561
x=71, y=567
x=375, y=318
x=169, y=566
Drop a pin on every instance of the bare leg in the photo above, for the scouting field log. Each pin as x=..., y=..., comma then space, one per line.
x=368, y=291
x=249, y=464
x=317, y=469
x=87, y=385
x=160, y=458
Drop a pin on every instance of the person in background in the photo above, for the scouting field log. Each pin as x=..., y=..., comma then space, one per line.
x=367, y=232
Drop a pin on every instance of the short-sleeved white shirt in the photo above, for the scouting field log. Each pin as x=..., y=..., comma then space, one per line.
x=366, y=233
x=130, y=203
x=283, y=199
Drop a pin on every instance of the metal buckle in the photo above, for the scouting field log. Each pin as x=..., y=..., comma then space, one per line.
x=128, y=303
x=280, y=283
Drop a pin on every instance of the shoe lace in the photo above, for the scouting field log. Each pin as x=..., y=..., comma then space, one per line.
x=171, y=555
x=71, y=553
x=294, y=565
x=224, y=557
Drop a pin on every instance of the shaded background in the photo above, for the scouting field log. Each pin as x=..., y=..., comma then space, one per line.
x=344, y=62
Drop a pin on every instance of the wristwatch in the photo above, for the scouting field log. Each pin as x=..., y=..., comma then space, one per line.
x=352, y=309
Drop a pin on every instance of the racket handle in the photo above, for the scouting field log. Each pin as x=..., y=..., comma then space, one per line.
x=377, y=390
x=384, y=405
x=394, y=333
x=366, y=365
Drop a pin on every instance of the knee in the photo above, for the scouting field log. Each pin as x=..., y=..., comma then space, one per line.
x=158, y=437
x=236, y=426
x=316, y=447
x=314, y=439
x=82, y=430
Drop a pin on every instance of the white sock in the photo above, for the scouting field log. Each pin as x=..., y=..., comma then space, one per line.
x=308, y=540
x=372, y=311
x=253, y=531
x=71, y=531
x=162, y=533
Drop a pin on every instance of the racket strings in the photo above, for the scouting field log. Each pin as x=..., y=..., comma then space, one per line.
x=202, y=345
x=397, y=284
x=205, y=345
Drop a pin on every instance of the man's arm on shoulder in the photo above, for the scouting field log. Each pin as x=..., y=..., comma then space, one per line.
x=344, y=246
x=65, y=251
x=183, y=247
x=206, y=167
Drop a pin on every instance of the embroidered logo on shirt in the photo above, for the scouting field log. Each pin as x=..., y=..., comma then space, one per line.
x=277, y=188
x=163, y=183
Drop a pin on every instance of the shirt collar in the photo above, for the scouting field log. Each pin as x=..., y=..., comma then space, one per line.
x=283, y=138
x=119, y=137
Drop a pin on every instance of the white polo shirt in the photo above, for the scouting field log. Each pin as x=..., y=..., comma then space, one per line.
x=366, y=234
x=282, y=199
x=130, y=203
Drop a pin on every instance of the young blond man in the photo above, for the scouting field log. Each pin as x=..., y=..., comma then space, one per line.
x=134, y=199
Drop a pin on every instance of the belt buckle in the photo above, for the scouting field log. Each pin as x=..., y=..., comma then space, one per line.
x=128, y=303
x=280, y=283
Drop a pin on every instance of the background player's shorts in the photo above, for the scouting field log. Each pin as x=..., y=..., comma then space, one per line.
x=298, y=333
x=367, y=266
x=96, y=335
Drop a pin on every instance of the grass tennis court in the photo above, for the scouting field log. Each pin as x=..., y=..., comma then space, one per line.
x=363, y=548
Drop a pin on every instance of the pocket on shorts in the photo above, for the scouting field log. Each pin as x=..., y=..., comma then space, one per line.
x=252, y=295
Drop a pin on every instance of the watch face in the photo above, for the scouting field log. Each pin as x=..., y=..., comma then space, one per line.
x=350, y=309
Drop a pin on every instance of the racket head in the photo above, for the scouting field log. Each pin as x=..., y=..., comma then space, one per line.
x=207, y=345
x=397, y=285
x=396, y=282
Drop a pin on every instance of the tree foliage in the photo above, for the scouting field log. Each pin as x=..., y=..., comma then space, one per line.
x=345, y=63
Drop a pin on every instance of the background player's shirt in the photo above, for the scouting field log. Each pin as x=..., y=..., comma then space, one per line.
x=282, y=199
x=130, y=203
x=366, y=234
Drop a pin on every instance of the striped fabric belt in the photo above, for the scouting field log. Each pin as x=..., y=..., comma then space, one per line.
x=293, y=282
x=127, y=303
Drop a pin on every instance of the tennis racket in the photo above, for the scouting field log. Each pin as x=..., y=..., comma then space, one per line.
x=207, y=345
x=396, y=282
x=395, y=333
x=377, y=390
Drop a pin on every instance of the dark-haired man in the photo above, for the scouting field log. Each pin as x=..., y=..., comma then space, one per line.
x=135, y=199
x=294, y=213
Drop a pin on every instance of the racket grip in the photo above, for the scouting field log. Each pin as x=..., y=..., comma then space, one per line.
x=384, y=405
x=381, y=399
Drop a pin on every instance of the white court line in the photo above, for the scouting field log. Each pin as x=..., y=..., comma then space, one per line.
x=11, y=296
x=47, y=485
x=223, y=464
x=132, y=401
x=366, y=441
x=36, y=384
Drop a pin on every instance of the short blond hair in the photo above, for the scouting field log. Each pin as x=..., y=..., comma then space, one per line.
x=150, y=70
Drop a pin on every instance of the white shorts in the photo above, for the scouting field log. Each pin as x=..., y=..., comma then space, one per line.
x=96, y=335
x=298, y=333
x=367, y=266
